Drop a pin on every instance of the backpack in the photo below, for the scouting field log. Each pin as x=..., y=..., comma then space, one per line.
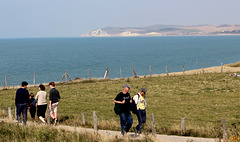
x=133, y=107
x=117, y=109
x=33, y=103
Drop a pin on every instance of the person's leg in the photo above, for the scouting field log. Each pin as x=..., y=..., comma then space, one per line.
x=143, y=118
x=24, y=113
x=139, y=119
x=18, y=112
x=123, y=121
x=129, y=122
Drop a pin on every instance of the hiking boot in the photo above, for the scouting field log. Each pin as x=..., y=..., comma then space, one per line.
x=135, y=130
x=124, y=133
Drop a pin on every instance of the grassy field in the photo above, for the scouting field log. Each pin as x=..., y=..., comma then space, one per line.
x=202, y=99
x=14, y=132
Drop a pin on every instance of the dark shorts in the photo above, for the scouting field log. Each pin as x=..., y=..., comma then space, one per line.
x=32, y=111
x=41, y=110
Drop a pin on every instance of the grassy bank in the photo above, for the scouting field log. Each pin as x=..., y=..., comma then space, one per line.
x=202, y=99
x=14, y=132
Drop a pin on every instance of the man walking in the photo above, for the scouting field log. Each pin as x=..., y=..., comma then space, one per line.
x=141, y=103
x=124, y=100
x=22, y=102
x=54, y=98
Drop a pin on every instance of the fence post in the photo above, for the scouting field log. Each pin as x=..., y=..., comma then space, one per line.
x=88, y=74
x=48, y=117
x=225, y=135
x=66, y=76
x=9, y=113
x=150, y=69
x=167, y=70
x=120, y=72
x=202, y=68
x=95, y=120
x=5, y=85
x=34, y=79
x=153, y=124
x=183, y=69
x=134, y=73
x=183, y=126
x=83, y=119
x=221, y=67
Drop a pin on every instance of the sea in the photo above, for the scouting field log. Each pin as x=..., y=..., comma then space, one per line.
x=48, y=58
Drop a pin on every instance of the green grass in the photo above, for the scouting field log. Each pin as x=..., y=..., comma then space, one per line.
x=202, y=99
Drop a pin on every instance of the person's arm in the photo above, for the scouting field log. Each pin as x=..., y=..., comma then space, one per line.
x=16, y=98
x=28, y=100
x=50, y=99
x=116, y=100
x=119, y=102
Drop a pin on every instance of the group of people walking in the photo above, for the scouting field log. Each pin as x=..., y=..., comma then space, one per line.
x=125, y=103
x=24, y=101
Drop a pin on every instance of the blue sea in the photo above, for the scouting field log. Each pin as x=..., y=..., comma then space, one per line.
x=50, y=57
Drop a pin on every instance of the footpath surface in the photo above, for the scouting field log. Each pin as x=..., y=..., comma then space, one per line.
x=108, y=135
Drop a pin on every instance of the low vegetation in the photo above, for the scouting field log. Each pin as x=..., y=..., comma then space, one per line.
x=202, y=99
x=237, y=64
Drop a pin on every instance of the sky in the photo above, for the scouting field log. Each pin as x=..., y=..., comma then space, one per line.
x=71, y=18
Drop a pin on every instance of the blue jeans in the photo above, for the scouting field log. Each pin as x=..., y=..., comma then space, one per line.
x=141, y=115
x=125, y=121
x=22, y=108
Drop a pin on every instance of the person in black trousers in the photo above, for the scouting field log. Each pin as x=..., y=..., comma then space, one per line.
x=22, y=102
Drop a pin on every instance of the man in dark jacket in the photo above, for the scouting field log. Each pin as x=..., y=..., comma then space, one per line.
x=124, y=100
x=54, y=98
x=22, y=102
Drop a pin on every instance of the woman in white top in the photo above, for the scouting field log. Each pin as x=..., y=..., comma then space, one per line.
x=41, y=98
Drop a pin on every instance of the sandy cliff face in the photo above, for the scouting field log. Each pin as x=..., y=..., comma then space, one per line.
x=96, y=33
x=166, y=30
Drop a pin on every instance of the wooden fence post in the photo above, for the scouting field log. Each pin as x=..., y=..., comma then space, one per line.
x=83, y=119
x=9, y=113
x=153, y=124
x=150, y=69
x=34, y=79
x=120, y=72
x=221, y=67
x=48, y=116
x=183, y=126
x=225, y=135
x=183, y=69
x=88, y=74
x=167, y=70
x=134, y=73
x=202, y=68
x=5, y=85
x=95, y=120
x=66, y=76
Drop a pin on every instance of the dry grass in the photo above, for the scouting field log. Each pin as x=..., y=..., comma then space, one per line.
x=234, y=64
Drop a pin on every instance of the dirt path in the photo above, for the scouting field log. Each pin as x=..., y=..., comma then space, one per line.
x=107, y=135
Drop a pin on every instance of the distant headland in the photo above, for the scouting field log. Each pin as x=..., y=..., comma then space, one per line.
x=166, y=30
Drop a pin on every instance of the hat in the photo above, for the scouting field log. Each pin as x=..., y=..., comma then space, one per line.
x=143, y=90
x=125, y=85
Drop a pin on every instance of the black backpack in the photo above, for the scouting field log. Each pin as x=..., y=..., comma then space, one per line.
x=133, y=107
x=117, y=109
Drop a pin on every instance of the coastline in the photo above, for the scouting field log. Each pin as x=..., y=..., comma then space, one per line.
x=214, y=69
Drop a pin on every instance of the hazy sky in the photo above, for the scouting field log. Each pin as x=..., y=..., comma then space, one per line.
x=71, y=18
